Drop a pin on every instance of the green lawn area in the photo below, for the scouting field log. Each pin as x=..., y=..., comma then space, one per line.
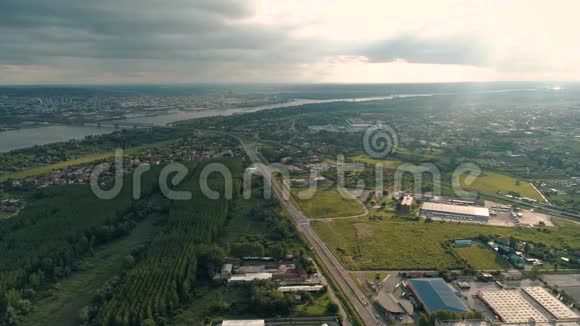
x=77, y=291
x=373, y=276
x=403, y=244
x=316, y=308
x=387, y=164
x=491, y=182
x=328, y=202
x=482, y=258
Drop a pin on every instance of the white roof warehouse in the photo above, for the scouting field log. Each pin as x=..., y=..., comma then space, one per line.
x=456, y=212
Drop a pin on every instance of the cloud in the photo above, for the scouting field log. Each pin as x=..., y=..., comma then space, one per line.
x=142, y=37
x=452, y=50
x=281, y=41
x=125, y=29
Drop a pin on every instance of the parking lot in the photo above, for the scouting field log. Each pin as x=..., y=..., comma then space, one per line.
x=525, y=217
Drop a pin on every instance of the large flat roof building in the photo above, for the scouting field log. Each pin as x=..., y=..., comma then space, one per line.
x=436, y=295
x=456, y=212
x=512, y=307
x=550, y=303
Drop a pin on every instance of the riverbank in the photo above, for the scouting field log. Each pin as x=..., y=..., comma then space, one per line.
x=42, y=135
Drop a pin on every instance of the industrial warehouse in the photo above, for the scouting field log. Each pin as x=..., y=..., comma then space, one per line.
x=555, y=307
x=455, y=212
x=528, y=304
x=436, y=295
x=511, y=306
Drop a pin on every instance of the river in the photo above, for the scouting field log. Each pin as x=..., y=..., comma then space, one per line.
x=27, y=137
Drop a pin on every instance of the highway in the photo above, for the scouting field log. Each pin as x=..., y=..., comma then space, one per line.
x=338, y=273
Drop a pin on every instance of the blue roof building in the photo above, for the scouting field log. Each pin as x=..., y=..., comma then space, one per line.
x=463, y=243
x=436, y=295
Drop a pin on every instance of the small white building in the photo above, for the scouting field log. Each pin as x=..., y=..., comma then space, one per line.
x=255, y=322
x=301, y=288
x=248, y=277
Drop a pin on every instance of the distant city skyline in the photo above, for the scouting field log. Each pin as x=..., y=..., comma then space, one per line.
x=299, y=41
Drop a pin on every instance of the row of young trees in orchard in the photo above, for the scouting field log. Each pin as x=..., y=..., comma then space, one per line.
x=165, y=278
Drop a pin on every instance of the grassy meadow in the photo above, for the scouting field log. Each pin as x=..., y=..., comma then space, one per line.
x=386, y=164
x=328, y=202
x=482, y=258
x=396, y=243
x=491, y=182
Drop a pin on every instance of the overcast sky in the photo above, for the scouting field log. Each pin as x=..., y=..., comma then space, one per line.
x=336, y=41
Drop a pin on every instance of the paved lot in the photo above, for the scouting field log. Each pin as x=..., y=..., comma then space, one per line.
x=569, y=283
x=534, y=218
x=506, y=219
x=475, y=303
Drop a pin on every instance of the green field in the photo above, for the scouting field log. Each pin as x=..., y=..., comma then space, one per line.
x=402, y=244
x=482, y=258
x=328, y=202
x=491, y=182
x=387, y=164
